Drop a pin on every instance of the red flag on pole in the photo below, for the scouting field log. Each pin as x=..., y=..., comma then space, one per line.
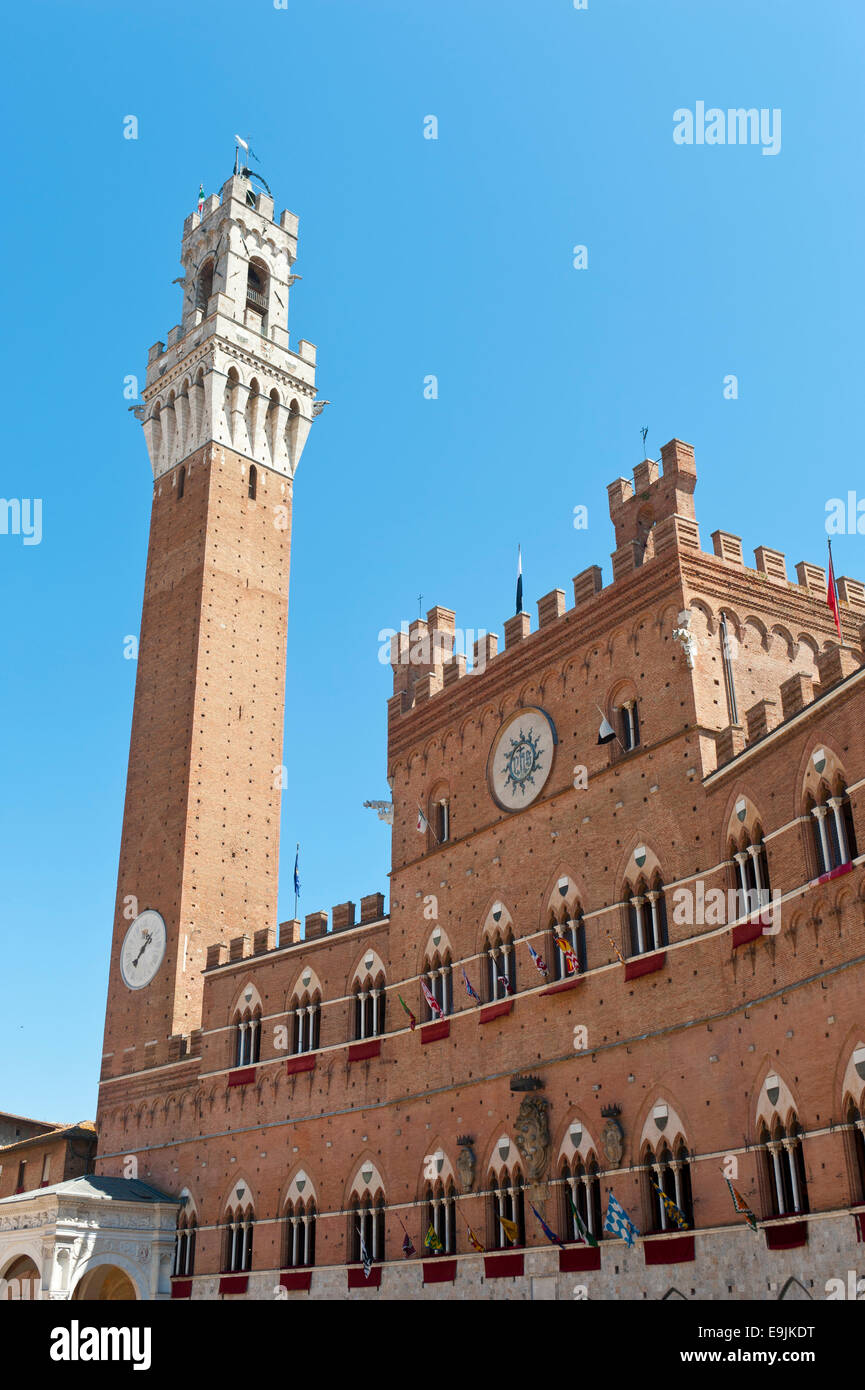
x=832, y=597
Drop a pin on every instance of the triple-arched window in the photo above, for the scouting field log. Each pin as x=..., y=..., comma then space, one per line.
x=369, y=1007
x=438, y=978
x=751, y=870
x=832, y=827
x=440, y=1204
x=305, y=1023
x=247, y=1037
x=580, y=1189
x=366, y=1236
x=501, y=964
x=237, y=1239
x=184, y=1245
x=856, y=1132
x=506, y=1202
x=298, y=1239
x=647, y=916
x=669, y=1173
x=568, y=926
x=784, y=1167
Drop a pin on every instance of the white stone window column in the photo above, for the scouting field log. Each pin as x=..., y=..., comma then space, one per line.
x=676, y=1167
x=310, y=1019
x=436, y=1214
x=362, y=997
x=375, y=994
x=655, y=923
x=232, y=1247
x=506, y=969
x=241, y=1043
x=789, y=1150
x=373, y=1216
x=499, y=1211
x=307, y=1220
x=630, y=727
x=741, y=859
x=637, y=903
x=190, y=1247
x=449, y=1225
x=819, y=812
x=754, y=851
x=446, y=821
x=494, y=975
x=244, y=1257
x=774, y=1150
x=836, y=802
x=253, y=1030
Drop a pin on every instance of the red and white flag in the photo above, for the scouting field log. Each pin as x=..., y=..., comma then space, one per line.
x=832, y=597
x=435, y=1006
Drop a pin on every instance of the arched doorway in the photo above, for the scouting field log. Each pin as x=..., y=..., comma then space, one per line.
x=105, y=1284
x=21, y=1279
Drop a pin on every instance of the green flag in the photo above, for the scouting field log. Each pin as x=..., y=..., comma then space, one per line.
x=582, y=1229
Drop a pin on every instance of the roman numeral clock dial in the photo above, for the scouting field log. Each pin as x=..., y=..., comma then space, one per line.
x=142, y=950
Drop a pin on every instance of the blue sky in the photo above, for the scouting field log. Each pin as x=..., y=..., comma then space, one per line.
x=450, y=257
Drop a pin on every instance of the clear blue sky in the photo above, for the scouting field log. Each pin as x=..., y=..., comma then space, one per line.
x=450, y=257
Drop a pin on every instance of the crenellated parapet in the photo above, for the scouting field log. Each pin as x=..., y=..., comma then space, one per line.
x=655, y=522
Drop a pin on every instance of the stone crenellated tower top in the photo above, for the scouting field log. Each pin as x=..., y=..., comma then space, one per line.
x=226, y=373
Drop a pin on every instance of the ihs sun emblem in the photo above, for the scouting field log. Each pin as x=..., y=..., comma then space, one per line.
x=522, y=762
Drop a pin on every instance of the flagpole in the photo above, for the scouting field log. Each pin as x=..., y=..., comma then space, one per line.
x=295, y=879
x=618, y=740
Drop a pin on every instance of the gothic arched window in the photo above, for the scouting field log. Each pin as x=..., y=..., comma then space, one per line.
x=237, y=1240
x=440, y=1214
x=505, y=1201
x=247, y=1037
x=501, y=965
x=298, y=1249
x=784, y=1168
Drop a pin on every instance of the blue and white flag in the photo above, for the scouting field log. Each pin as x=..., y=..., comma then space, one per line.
x=297, y=873
x=618, y=1222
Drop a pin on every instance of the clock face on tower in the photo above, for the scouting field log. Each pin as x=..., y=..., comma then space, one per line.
x=142, y=950
x=521, y=758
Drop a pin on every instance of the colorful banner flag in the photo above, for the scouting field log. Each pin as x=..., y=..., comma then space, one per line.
x=618, y=1222
x=364, y=1255
x=570, y=955
x=510, y=1229
x=200, y=198
x=675, y=1213
x=408, y=1245
x=550, y=1235
x=741, y=1206
x=412, y=1021
x=470, y=990
x=422, y=822
x=832, y=597
x=505, y=984
x=583, y=1232
x=435, y=1006
x=473, y=1240
x=297, y=873
x=619, y=956
x=431, y=1240
x=538, y=960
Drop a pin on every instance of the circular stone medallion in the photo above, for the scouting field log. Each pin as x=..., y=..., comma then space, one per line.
x=521, y=758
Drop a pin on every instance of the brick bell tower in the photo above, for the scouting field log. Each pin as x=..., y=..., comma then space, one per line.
x=227, y=411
